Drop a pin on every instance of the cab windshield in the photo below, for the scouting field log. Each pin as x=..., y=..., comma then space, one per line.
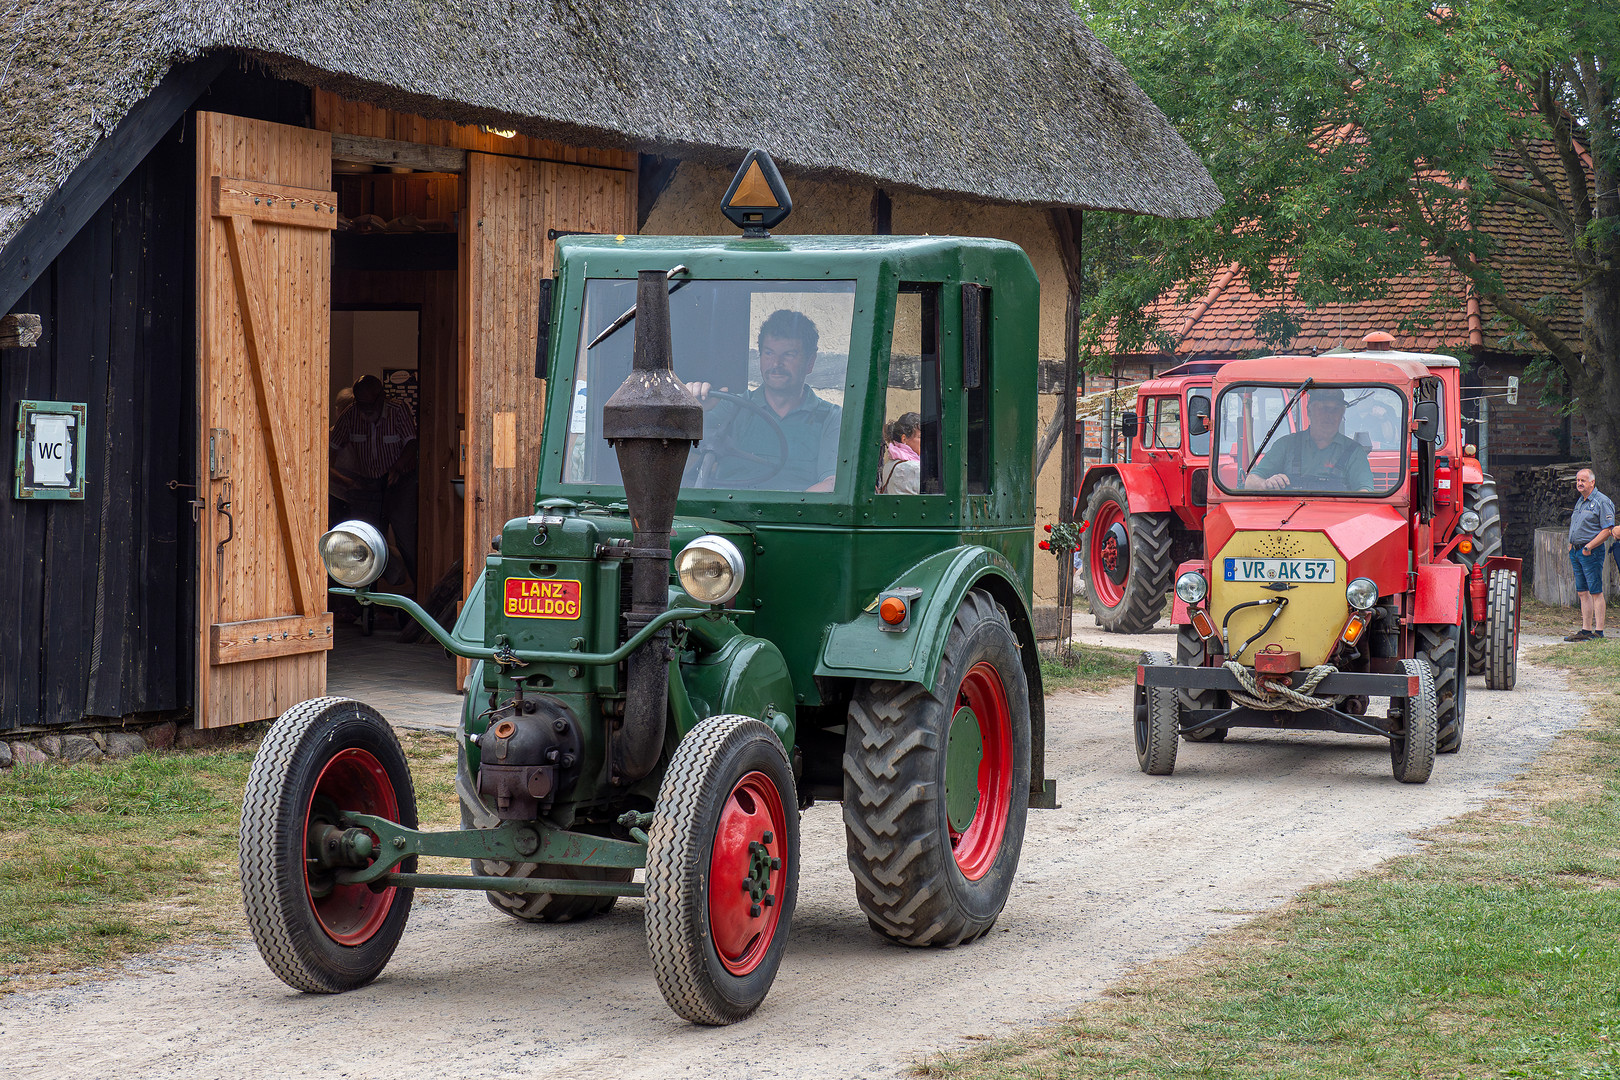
x=769, y=359
x=1329, y=440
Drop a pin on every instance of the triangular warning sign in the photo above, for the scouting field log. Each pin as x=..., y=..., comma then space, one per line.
x=754, y=191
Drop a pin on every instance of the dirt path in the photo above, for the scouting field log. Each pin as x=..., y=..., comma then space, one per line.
x=1129, y=869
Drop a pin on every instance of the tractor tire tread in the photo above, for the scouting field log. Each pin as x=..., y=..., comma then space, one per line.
x=1502, y=644
x=1151, y=565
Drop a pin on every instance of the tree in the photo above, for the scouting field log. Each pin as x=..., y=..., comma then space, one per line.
x=1356, y=139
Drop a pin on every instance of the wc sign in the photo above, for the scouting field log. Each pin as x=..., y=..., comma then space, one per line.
x=50, y=450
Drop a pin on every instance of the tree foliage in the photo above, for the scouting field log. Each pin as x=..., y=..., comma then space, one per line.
x=1354, y=138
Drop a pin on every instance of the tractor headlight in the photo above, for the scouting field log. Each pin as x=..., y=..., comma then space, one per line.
x=710, y=569
x=1192, y=587
x=1468, y=521
x=1361, y=593
x=355, y=554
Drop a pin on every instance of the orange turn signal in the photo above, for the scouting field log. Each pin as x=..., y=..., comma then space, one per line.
x=892, y=610
x=1353, y=629
x=1202, y=623
x=1465, y=546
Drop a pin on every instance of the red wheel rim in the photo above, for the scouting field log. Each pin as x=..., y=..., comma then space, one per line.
x=352, y=781
x=977, y=846
x=1104, y=555
x=746, y=873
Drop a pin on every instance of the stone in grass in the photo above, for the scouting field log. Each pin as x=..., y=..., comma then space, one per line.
x=51, y=745
x=5, y=755
x=160, y=736
x=123, y=744
x=23, y=753
x=191, y=738
x=80, y=748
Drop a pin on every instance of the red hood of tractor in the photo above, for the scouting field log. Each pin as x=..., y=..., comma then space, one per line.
x=1370, y=536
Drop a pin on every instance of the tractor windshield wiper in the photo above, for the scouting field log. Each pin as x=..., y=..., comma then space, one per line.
x=630, y=312
x=1289, y=404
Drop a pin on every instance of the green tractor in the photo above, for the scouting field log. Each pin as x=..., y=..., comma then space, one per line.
x=712, y=618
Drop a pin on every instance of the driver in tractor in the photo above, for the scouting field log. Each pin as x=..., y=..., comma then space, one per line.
x=788, y=341
x=1319, y=458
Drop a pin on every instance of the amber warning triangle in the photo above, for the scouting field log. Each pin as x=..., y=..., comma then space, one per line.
x=754, y=190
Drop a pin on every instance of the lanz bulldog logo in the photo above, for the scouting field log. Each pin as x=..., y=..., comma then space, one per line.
x=538, y=598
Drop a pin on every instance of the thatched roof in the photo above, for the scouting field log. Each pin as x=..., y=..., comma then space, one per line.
x=1005, y=100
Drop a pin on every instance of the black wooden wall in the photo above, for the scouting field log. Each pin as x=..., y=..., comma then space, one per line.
x=95, y=596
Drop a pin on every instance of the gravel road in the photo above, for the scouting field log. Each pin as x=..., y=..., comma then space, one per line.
x=1129, y=869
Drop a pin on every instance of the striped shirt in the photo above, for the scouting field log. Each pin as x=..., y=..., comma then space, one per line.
x=377, y=444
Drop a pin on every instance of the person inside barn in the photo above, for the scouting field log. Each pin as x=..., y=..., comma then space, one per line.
x=1590, y=524
x=373, y=448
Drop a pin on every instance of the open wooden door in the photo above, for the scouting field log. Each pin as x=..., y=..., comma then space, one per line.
x=512, y=204
x=265, y=212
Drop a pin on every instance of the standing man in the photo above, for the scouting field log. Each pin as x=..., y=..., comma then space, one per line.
x=1590, y=525
x=374, y=457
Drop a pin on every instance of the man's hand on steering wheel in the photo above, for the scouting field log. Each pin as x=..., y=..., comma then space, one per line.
x=723, y=444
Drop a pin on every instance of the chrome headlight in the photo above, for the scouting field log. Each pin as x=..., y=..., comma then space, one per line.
x=1468, y=521
x=1192, y=587
x=1361, y=593
x=355, y=554
x=710, y=569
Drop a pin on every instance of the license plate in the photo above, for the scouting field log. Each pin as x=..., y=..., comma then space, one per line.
x=1296, y=570
x=542, y=598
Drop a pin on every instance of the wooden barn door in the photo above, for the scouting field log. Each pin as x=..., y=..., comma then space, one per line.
x=265, y=213
x=512, y=204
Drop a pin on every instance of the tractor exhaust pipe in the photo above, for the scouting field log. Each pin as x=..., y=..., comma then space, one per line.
x=651, y=421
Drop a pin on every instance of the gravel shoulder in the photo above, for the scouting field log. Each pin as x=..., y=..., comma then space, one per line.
x=1130, y=869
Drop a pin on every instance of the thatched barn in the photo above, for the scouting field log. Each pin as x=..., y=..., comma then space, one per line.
x=221, y=213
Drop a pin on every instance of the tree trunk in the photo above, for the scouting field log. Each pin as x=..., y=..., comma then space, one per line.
x=1600, y=398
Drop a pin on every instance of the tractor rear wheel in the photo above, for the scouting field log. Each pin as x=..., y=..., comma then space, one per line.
x=936, y=786
x=1156, y=716
x=1411, y=753
x=1482, y=499
x=722, y=869
x=1190, y=651
x=1502, y=631
x=1442, y=647
x=1126, y=560
x=324, y=758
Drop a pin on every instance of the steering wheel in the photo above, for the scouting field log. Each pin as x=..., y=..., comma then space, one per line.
x=1318, y=482
x=722, y=445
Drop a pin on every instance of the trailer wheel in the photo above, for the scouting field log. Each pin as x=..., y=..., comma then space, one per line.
x=1411, y=754
x=1190, y=653
x=322, y=759
x=936, y=786
x=1157, y=719
x=1442, y=647
x=1126, y=559
x=1483, y=500
x=1502, y=631
x=722, y=870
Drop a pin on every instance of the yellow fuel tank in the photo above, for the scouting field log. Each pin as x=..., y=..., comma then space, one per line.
x=1302, y=567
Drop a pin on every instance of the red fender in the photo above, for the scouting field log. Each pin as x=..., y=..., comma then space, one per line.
x=1440, y=594
x=1144, y=491
x=1178, y=606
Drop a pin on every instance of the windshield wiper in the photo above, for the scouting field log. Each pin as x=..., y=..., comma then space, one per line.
x=630, y=313
x=1289, y=404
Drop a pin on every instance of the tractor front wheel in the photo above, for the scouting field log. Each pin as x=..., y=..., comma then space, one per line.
x=1502, y=631
x=722, y=870
x=1190, y=652
x=936, y=786
x=1156, y=720
x=322, y=760
x=1483, y=500
x=1126, y=559
x=1411, y=753
x=1443, y=647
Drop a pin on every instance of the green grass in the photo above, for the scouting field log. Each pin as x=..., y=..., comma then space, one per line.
x=1094, y=667
x=109, y=858
x=1493, y=953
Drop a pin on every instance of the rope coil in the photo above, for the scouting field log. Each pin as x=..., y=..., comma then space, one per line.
x=1273, y=695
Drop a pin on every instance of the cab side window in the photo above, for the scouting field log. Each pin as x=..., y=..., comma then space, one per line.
x=1167, y=424
x=1198, y=402
x=912, y=432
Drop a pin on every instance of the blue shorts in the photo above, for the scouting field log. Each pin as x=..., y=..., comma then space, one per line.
x=1588, y=570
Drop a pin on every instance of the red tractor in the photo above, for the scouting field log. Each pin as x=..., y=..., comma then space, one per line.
x=1337, y=564
x=1144, y=516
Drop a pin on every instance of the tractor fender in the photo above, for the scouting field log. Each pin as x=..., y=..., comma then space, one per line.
x=1144, y=490
x=1440, y=595
x=859, y=650
x=1516, y=567
x=1471, y=472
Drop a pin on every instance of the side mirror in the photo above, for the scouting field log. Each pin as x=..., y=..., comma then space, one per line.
x=543, y=339
x=1427, y=416
x=1127, y=423
x=1198, y=423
